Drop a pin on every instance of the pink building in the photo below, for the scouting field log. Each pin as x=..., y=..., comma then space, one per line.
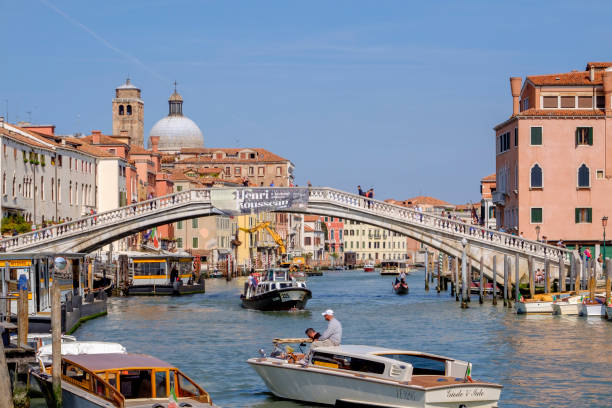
x=553, y=159
x=335, y=240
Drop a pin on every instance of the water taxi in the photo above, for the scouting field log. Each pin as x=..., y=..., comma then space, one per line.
x=277, y=290
x=393, y=268
x=123, y=380
x=365, y=376
x=163, y=274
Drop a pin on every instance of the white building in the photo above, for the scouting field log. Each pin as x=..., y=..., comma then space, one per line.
x=373, y=243
x=314, y=237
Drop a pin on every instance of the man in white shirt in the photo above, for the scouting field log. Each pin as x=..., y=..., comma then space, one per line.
x=332, y=335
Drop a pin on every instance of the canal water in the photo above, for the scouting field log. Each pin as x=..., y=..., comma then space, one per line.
x=542, y=361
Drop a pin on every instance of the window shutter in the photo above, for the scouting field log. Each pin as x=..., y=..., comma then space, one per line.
x=577, y=136
x=536, y=135
x=591, y=136
x=589, y=215
x=577, y=215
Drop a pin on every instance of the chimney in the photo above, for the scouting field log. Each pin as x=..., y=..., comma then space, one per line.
x=592, y=74
x=515, y=88
x=154, y=143
x=95, y=137
x=607, y=88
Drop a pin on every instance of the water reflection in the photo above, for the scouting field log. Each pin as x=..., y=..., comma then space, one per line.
x=542, y=361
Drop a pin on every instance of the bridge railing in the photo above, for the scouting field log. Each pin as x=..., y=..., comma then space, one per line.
x=471, y=232
x=105, y=218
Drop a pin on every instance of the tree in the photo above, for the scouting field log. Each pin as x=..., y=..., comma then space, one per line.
x=15, y=222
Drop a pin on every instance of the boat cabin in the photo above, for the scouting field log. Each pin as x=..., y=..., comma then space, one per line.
x=273, y=279
x=398, y=365
x=155, y=269
x=394, y=266
x=120, y=378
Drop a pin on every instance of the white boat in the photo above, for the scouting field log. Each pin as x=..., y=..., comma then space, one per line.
x=374, y=377
x=38, y=340
x=533, y=307
x=609, y=311
x=368, y=268
x=568, y=306
x=393, y=268
x=592, y=309
x=45, y=353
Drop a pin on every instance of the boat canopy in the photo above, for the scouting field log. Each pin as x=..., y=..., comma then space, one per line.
x=116, y=361
x=277, y=275
x=393, y=264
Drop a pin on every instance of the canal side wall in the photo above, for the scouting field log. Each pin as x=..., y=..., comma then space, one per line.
x=77, y=312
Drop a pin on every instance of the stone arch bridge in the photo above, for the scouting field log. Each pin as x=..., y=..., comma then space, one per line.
x=90, y=233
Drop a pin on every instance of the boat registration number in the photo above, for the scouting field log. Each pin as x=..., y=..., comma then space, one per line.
x=289, y=296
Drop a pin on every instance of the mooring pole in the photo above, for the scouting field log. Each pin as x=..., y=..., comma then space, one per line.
x=22, y=318
x=426, y=270
x=56, y=338
x=6, y=394
x=608, y=276
x=464, y=270
x=546, y=276
x=456, y=279
x=561, y=273
x=481, y=297
x=494, y=280
x=531, y=277
x=517, y=289
x=439, y=273
x=506, y=269
x=572, y=272
x=470, y=272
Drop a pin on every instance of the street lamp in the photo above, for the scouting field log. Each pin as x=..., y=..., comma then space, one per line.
x=604, y=224
x=538, y=232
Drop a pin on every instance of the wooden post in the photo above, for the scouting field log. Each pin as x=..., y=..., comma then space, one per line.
x=464, y=276
x=439, y=274
x=56, y=336
x=494, y=280
x=481, y=297
x=517, y=289
x=506, y=269
x=561, y=273
x=426, y=270
x=451, y=269
x=531, y=277
x=592, y=280
x=22, y=319
x=6, y=394
x=90, y=276
x=546, y=276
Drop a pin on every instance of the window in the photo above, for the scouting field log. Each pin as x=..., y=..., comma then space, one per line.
x=584, y=177
x=70, y=163
x=237, y=170
x=179, y=225
x=194, y=223
x=568, y=102
x=526, y=103
x=550, y=101
x=59, y=160
x=59, y=195
x=278, y=171
x=194, y=242
x=179, y=188
x=503, y=142
x=228, y=171
x=585, y=102
x=307, y=241
x=515, y=137
x=601, y=101
x=599, y=174
x=536, y=215
x=584, y=136
x=536, y=177
x=121, y=110
x=251, y=171
x=161, y=391
x=536, y=136
x=4, y=184
x=179, y=242
x=261, y=171
x=42, y=187
x=583, y=215
x=129, y=109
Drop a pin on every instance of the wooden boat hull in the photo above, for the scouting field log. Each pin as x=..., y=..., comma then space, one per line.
x=368, y=269
x=534, y=307
x=278, y=300
x=72, y=396
x=166, y=290
x=401, y=290
x=313, y=385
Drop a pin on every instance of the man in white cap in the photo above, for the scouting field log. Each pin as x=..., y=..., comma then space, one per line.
x=332, y=335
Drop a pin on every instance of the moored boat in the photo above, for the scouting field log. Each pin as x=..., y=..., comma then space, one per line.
x=123, y=380
x=393, y=268
x=368, y=268
x=592, y=308
x=534, y=307
x=365, y=376
x=568, y=306
x=609, y=311
x=276, y=291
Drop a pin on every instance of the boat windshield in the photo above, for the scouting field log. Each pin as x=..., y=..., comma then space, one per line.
x=135, y=384
x=277, y=275
x=348, y=363
x=421, y=365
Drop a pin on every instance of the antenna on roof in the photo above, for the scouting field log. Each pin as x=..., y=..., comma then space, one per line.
x=127, y=80
x=175, y=84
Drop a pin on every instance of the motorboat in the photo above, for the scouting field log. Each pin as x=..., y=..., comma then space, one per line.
x=123, y=380
x=365, y=376
x=38, y=340
x=568, y=306
x=540, y=304
x=276, y=291
x=400, y=287
x=593, y=307
x=609, y=311
x=393, y=268
x=368, y=267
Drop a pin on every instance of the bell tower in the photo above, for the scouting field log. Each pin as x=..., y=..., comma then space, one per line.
x=128, y=113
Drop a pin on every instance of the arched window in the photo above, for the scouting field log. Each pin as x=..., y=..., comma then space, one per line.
x=120, y=109
x=129, y=109
x=536, y=176
x=584, y=177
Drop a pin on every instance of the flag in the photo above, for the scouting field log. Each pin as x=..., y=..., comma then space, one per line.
x=468, y=373
x=154, y=235
x=520, y=298
x=172, y=400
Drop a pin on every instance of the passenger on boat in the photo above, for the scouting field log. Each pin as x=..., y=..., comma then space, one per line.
x=313, y=334
x=402, y=275
x=332, y=335
x=174, y=274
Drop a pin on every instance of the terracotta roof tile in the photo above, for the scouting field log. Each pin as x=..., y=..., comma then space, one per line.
x=308, y=229
x=89, y=149
x=598, y=65
x=425, y=200
x=567, y=78
x=311, y=218
x=464, y=207
x=562, y=112
x=134, y=149
x=104, y=139
x=263, y=155
x=23, y=139
x=490, y=177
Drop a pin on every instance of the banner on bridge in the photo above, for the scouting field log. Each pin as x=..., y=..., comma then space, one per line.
x=254, y=200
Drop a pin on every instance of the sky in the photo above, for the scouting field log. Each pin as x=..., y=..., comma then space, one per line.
x=399, y=96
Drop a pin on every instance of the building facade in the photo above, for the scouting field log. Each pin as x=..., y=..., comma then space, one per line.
x=128, y=113
x=373, y=244
x=553, y=159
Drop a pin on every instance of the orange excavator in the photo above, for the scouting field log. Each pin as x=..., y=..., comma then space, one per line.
x=266, y=225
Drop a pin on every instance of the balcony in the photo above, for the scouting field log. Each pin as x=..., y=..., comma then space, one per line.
x=499, y=198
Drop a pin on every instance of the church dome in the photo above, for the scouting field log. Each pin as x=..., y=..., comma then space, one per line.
x=176, y=131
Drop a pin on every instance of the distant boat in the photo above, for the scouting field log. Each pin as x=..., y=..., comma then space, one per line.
x=275, y=292
x=393, y=268
x=400, y=288
x=368, y=268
